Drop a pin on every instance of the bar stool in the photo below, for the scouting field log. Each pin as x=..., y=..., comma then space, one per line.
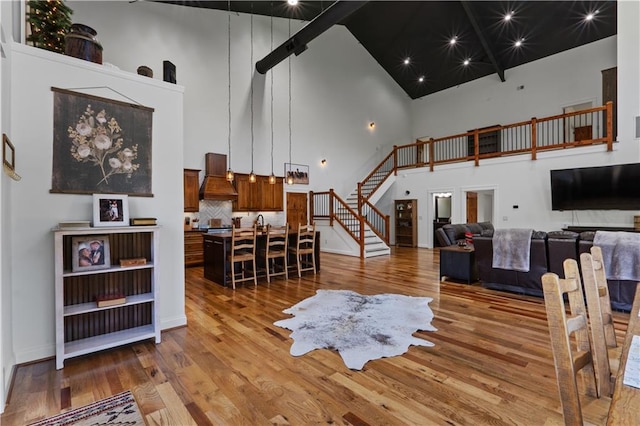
x=243, y=251
x=276, y=248
x=304, y=250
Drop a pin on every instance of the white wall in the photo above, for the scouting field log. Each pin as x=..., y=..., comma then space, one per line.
x=337, y=89
x=34, y=211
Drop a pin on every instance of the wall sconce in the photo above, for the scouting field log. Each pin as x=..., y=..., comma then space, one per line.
x=323, y=162
x=372, y=125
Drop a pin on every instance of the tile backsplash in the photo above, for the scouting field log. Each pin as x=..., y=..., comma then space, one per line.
x=211, y=209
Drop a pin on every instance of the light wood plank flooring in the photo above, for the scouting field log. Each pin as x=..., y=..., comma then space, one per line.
x=491, y=363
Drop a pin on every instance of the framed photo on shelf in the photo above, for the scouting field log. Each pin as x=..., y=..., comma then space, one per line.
x=90, y=252
x=110, y=210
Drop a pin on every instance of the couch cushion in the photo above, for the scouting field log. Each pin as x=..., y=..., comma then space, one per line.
x=455, y=232
x=486, y=225
x=487, y=233
x=563, y=235
x=539, y=235
x=587, y=235
x=474, y=228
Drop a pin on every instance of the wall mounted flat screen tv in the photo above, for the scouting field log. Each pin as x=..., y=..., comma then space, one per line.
x=596, y=188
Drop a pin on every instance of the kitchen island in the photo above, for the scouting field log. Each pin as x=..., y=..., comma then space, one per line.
x=216, y=252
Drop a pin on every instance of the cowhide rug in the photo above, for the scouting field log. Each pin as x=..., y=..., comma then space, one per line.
x=360, y=328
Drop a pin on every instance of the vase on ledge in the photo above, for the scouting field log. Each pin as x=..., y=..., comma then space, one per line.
x=80, y=42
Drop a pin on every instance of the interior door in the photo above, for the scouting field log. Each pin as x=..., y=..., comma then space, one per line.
x=296, y=209
x=472, y=207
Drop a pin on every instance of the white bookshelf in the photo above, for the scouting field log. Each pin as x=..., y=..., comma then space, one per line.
x=81, y=326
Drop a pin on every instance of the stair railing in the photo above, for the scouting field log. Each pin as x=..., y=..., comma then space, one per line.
x=329, y=205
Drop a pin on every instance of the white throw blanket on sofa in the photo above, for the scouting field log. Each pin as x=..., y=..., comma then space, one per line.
x=620, y=254
x=512, y=249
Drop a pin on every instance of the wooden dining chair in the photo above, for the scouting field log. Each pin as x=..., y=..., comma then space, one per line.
x=570, y=359
x=606, y=353
x=304, y=249
x=243, y=252
x=276, y=248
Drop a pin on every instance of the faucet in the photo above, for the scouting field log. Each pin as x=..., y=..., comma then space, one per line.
x=260, y=219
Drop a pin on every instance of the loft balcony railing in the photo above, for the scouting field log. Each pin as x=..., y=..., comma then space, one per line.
x=570, y=130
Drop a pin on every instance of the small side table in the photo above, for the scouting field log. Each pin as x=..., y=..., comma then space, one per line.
x=458, y=263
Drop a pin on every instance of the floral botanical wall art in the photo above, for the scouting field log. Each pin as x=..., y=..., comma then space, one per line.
x=100, y=145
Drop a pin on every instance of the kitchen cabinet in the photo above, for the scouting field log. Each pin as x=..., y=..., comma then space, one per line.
x=406, y=213
x=191, y=182
x=193, y=248
x=258, y=196
x=83, y=327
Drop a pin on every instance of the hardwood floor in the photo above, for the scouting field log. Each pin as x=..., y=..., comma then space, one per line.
x=491, y=363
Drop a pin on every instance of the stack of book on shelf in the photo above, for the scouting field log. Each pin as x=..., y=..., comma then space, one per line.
x=74, y=224
x=112, y=299
x=140, y=221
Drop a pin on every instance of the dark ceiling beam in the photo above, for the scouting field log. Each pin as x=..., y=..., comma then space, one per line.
x=485, y=44
x=298, y=42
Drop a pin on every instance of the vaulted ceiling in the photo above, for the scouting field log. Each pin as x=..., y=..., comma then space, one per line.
x=423, y=45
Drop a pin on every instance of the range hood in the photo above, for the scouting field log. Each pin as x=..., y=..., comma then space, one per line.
x=215, y=185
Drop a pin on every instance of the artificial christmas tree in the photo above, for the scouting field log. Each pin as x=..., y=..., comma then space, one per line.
x=49, y=21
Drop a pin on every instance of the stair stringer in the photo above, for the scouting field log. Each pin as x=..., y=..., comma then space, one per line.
x=335, y=239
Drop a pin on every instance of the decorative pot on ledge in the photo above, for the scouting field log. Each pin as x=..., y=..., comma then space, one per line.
x=80, y=42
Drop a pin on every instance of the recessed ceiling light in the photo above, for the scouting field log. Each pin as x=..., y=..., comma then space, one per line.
x=453, y=40
x=421, y=78
x=466, y=62
x=519, y=42
x=292, y=2
x=407, y=61
x=508, y=16
x=592, y=15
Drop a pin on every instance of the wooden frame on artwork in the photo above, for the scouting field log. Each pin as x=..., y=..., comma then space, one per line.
x=299, y=173
x=100, y=145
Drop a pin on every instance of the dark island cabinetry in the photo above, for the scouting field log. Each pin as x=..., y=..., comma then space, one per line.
x=216, y=249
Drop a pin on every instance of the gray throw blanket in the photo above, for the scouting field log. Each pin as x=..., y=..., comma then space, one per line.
x=512, y=249
x=620, y=254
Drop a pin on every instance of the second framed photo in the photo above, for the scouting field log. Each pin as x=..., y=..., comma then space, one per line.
x=90, y=252
x=110, y=210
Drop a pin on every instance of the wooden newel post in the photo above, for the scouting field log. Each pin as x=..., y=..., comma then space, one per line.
x=395, y=160
x=431, y=155
x=534, y=138
x=609, y=126
x=311, y=207
x=476, y=147
x=361, y=236
x=359, y=198
x=331, y=207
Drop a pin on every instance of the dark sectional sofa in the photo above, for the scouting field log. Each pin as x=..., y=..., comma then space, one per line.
x=548, y=252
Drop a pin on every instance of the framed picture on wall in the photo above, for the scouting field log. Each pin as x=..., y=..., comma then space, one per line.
x=90, y=252
x=100, y=145
x=299, y=173
x=110, y=210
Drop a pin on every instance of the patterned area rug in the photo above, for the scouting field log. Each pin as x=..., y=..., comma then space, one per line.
x=120, y=409
x=360, y=328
